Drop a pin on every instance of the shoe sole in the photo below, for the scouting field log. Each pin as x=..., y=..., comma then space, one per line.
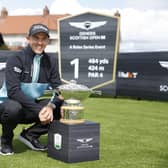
x=6, y=154
x=27, y=143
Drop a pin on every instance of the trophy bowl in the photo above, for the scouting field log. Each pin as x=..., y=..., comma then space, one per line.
x=72, y=108
x=76, y=91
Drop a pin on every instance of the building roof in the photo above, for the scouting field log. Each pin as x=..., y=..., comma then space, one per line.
x=20, y=24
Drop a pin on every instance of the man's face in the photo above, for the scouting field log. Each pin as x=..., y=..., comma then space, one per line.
x=38, y=42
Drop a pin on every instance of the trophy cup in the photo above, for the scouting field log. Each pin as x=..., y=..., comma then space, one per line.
x=72, y=108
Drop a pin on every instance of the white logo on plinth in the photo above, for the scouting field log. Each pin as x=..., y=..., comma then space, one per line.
x=57, y=141
x=84, y=143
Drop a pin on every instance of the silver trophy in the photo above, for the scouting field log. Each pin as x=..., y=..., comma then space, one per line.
x=72, y=108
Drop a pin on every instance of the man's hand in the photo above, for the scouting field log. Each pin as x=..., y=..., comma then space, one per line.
x=46, y=115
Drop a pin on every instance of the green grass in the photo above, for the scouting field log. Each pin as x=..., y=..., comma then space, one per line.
x=134, y=134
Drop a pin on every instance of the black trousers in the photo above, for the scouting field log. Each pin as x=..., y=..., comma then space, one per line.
x=12, y=113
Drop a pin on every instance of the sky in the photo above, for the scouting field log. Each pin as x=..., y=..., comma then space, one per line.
x=144, y=23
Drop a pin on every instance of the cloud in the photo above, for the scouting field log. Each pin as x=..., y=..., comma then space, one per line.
x=26, y=11
x=66, y=6
x=143, y=31
x=147, y=4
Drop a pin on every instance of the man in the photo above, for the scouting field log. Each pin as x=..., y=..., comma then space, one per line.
x=20, y=107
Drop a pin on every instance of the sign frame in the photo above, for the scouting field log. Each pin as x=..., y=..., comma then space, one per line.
x=116, y=49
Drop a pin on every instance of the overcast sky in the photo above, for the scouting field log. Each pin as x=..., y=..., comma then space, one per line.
x=144, y=23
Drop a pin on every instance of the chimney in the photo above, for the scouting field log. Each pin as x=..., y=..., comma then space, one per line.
x=46, y=11
x=117, y=13
x=4, y=12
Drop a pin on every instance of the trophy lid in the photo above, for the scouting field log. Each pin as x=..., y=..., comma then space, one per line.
x=73, y=86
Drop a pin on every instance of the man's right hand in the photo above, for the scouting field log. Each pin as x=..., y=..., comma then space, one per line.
x=46, y=115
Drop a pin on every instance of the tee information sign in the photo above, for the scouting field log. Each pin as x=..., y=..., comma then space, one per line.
x=88, y=49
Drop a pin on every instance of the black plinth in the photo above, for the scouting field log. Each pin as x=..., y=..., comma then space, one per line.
x=74, y=143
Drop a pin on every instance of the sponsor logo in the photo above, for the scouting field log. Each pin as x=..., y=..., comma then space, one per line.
x=87, y=25
x=57, y=141
x=16, y=69
x=128, y=75
x=36, y=27
x=2, y=66
x=164, y=64
x=84, y=143
x=85, y=140
x=163, y=88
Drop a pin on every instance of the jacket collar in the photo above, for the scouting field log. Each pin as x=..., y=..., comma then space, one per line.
x=30, y=52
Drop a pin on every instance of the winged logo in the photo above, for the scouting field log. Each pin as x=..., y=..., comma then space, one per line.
x=84, y=140
x=164, y=64
x=2, y=66
x=87, y=25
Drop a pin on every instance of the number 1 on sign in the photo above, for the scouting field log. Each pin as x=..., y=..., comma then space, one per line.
x=75, y=62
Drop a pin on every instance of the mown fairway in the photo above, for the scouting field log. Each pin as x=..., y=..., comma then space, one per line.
x=134, y=134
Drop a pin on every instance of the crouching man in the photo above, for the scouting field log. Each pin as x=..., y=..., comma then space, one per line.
x=31, y=66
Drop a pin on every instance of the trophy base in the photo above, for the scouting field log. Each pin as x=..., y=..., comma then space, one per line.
x=70, y=122
x=74, y=143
